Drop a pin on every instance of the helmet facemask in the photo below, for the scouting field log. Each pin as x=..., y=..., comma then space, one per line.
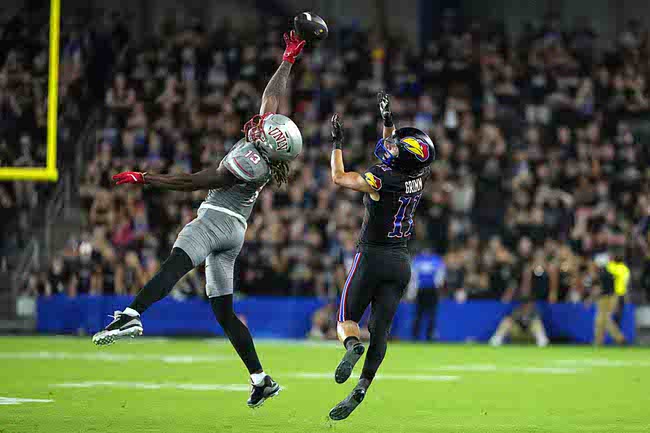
x=387, y=150
x=254, y=128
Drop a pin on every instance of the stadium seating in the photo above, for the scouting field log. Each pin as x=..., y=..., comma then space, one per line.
x=539, y=142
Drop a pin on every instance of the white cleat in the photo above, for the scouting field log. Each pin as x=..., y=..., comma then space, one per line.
x=122, y=326
x=496, y=341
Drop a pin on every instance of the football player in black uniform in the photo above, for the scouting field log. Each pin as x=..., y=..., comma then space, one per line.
x=382, y=266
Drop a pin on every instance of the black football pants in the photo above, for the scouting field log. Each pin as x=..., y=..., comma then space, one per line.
x=378, y=277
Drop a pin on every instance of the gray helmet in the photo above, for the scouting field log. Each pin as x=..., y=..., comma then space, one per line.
x=276, y=136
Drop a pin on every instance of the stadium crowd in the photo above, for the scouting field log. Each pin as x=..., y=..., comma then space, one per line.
x=24, y=57
x=541, y=165
x=23, y=90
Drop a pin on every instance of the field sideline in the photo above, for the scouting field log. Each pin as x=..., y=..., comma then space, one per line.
x=198, y=385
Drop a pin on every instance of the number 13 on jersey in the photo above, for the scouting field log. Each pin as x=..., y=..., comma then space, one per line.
x=406, y=209
x=253, y=157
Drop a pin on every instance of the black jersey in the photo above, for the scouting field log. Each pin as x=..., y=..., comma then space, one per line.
x=389, y=220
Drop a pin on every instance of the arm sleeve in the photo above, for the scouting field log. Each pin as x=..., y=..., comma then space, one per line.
x=246, y=164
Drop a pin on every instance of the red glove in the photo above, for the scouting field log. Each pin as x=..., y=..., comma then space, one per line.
x=294, y=47
x=129, y=177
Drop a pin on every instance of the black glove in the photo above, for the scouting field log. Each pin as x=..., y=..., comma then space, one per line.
x=337, y=132
x=383, y=99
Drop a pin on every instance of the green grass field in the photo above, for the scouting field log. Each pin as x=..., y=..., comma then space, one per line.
x=157, y=385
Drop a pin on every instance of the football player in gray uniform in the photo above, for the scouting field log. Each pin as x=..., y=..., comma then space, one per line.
x=216, y=236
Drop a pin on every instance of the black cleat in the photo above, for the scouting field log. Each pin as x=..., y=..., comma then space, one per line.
x=122, y=326
x=345, y=367
x=346, y=407
x=259, y=393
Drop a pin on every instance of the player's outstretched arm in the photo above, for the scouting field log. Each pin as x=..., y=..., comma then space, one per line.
x=383, y=100
x=210, y=178
x=350, y=179
x=277, y=86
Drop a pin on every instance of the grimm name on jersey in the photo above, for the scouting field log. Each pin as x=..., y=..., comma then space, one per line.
x=414, y=185
x=373, y=181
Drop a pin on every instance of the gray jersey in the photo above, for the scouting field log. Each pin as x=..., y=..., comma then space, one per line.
x=246, y=164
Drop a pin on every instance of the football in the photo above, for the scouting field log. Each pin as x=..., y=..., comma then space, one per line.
x=310, y=27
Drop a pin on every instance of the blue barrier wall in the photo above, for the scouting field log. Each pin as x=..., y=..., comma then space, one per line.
x=278, y=317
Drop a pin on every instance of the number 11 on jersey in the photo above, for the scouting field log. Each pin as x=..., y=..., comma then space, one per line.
x=398, y=220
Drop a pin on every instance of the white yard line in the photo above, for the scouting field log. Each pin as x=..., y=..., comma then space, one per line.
x=154, y=386
x=492, y=368
x=331, y=344
x=551, y=370
x=411, y=377
x=466, y=367
x=116, y=357
x=6, y=401
x=602, y=362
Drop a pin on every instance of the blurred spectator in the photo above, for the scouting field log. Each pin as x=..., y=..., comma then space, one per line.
x=525, y=319
x=428, y=276
x=613, y=277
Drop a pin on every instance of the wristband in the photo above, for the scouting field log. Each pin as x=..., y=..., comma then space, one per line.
x=289, y=58
x=388, y=122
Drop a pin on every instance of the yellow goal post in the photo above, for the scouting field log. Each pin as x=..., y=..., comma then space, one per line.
x=49, y=173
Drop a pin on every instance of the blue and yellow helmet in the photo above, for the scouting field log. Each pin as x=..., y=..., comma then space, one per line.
x=408, y=150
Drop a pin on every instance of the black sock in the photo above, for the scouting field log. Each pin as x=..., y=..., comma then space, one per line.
x=376, y=352
x=175, y=267
x=350, y=342
x=238, y=334
x=363, y=383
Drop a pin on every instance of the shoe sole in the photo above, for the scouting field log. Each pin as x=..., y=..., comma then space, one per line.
x=357, y=397
x=106, y=338
x=261, y=402
x=345, y=367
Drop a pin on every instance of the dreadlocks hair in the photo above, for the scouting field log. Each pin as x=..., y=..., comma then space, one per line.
x=280, y=172
x=279, y=169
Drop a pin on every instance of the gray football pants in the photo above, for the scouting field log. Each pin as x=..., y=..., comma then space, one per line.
x=217, y=238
